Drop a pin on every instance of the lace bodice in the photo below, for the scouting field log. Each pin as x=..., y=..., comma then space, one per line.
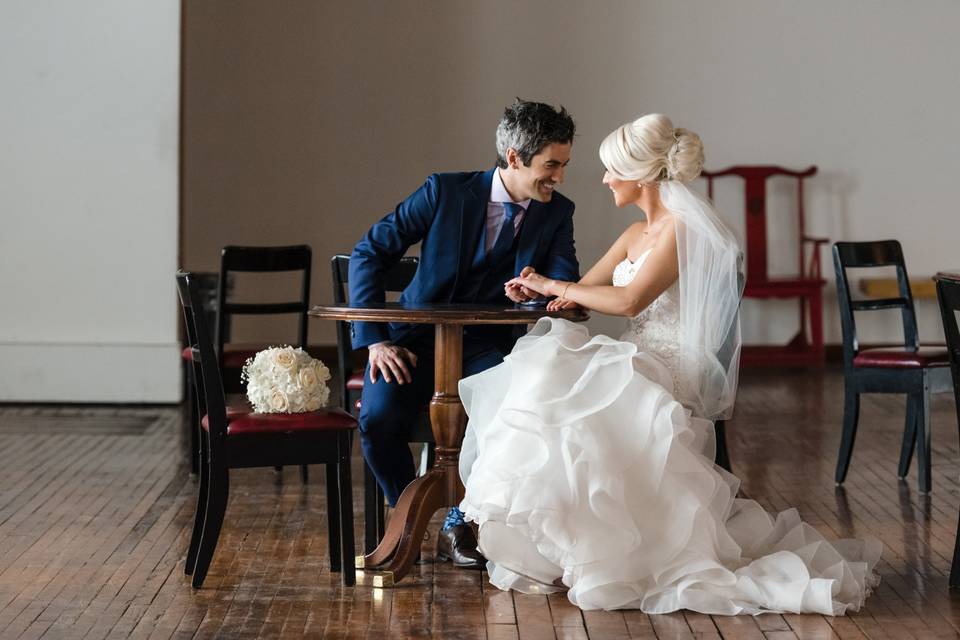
x=656, y=329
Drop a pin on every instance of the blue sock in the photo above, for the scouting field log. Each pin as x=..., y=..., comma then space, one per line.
x=454, y=518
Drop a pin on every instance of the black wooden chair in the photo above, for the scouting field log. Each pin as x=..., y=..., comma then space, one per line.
x=237, y=438
x=722, y=456
x=351, y=388
x=948, y=293
x=231, y=357
x=912, y=369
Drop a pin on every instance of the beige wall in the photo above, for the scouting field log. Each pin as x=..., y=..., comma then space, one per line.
x=306, y=121
x=88, y=201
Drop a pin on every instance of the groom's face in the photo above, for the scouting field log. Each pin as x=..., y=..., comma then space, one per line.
x=538, y=180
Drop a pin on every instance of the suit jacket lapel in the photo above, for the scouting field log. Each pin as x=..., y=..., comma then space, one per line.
x=473, y=214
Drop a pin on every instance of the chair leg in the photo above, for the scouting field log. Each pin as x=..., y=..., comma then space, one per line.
x=198, y=518
x=816, y=324
x=955, y=565
x=431, y=456
x=333, y=519
x=346, y=512
x=803, y=321
x=213, y=521
x=370, y=538
x=851, y=416
x=923, y=439
x=722, y=458
x=195, y=438
x=304, y=474
x=909, y=435
x=193, y=418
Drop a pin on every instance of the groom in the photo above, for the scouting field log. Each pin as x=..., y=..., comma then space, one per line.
x=476, y=230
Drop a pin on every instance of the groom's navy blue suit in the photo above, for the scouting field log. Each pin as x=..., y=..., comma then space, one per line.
x=447, y=216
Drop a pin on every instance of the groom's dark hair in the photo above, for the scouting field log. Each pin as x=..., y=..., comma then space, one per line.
x=528, y=127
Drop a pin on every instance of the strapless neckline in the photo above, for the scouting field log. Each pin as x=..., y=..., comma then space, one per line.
x=639, y=258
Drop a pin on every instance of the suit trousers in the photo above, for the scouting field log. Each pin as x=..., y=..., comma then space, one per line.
x=388, y=409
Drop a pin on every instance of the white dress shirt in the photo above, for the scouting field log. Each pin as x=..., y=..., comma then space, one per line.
x=496, y=212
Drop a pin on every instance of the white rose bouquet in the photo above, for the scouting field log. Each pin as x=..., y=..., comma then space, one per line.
x=285, y=380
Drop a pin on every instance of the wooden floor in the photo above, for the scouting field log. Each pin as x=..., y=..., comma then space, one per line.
x=96, y=506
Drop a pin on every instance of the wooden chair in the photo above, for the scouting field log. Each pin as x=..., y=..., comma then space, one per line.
x=237, y=438
x=948, y=293
x=806, y=348
x=722, y=456
x=236, y=260
x=351, y=388
x=911, y=369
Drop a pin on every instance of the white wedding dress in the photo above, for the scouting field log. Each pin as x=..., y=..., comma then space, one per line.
x=585, y=472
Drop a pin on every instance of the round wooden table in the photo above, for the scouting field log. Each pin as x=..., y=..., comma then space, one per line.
x=441, y=486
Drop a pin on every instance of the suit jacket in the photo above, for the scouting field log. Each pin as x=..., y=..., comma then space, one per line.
x=447, y=216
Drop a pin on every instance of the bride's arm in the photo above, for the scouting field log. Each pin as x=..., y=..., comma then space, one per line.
x=658, y=272
x=602, y=271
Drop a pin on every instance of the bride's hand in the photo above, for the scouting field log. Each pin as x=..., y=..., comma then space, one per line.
x=559, y=304
x=533, y=282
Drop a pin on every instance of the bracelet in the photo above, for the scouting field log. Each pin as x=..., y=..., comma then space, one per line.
x=563, y=296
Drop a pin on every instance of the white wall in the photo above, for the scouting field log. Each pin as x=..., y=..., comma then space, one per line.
x=308, y=121
x=88, y=199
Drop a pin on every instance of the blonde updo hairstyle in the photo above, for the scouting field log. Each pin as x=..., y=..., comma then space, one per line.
x=650, y=150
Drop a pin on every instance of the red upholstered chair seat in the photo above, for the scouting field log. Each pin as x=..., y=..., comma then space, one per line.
x=896, y=358
x=234, y=355
x=241, y=422
x=355, y=382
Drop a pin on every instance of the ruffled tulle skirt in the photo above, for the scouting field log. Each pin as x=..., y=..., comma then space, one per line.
x=585, y=474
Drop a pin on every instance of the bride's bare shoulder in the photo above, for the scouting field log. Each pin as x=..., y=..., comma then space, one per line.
x=634, y=231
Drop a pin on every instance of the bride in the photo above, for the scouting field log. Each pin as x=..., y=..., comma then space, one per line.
x=588, y=461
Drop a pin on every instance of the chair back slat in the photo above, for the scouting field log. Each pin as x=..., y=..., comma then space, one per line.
x=263, y=308
x=881, y=253
x=879, y=303
x=266, y=259
x=755, y=201
x=236, y=259
x=205, y=361
x=865, y=255
x=395, y=279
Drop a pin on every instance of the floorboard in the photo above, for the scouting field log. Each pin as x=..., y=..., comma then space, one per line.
x=96, y=509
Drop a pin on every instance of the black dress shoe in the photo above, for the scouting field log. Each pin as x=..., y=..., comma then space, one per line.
x=459, y=543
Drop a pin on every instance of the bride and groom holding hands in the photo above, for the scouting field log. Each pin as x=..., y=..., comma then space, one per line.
x=588, y=461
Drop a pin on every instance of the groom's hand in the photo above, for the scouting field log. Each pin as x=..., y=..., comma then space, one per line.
x=519, y=293
x=515, y=292
x=391, y=361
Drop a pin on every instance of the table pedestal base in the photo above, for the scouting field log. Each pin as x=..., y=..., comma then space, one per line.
x=440, y=487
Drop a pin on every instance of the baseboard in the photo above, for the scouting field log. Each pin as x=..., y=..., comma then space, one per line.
x=95, y=373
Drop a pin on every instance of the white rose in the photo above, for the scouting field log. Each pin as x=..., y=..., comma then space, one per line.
x=278, y=401
x=313, y=404
x=295, y=402
x=324, y=395
x=308, y=379
x=285, y=359
x=322, y=372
